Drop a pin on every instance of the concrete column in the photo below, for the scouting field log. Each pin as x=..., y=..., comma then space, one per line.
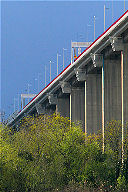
x=98, y=61
x=70, y=108
x=112, y=82
x=85, y=110
x=125, y=90
x=126, y=82
x=117, y=45
x=64, y=103
x=52, y=104
x=81, y=76
x=78, y=104
x=94, y=103
x=122, y=101
x=103, y=127
x=40, y=109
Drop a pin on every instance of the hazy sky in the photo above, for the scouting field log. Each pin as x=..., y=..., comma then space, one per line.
x=34, y=31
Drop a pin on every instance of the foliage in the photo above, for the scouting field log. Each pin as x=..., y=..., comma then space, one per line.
x=49, y=154
x=121, y=183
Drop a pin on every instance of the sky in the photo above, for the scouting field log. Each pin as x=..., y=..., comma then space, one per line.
x=33, y=32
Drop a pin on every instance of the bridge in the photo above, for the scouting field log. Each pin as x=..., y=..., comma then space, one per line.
x=94, y=88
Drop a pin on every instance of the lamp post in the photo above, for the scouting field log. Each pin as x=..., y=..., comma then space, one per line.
x=18, y=101
x=104, y=16
x=124, y=6
x=50, y=70
x=14, y=104
x=88, y=31
x=28, y=91
x=45, y=75
x=57, y=63
x=63, y=56
x=94, y=27
x=112, y=11
x=35, y=84
x=38, y=81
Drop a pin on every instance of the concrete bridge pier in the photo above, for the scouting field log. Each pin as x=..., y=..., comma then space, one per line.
x=73, y=105
x=126, y=82
x=94, y=103
x=77, y=100
x=81, y=77
x=62, y=106
x=63, y=101
x=112, y=89
x=117, y=44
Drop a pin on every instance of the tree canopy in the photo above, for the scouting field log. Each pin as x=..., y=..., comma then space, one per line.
x=50, y=154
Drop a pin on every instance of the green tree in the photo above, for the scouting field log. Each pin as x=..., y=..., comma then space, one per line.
x=49, y=154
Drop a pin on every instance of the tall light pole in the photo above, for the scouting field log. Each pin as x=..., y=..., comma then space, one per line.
x=50, y=70
x=14, y=104
x=94, y=27
x=45, y=75
x=39, y=81
x=35, y=84
x=112, y=11
x=124, y=6
x=28, y=91
x=88, y=31
x=18, y=101
x=104, y=16
x=57, y=63
x=63, y=56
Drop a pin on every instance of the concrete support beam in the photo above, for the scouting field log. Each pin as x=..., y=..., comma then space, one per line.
x=116, y=43
x=97, y=60
x=52, y=98
x=49, y=108
x=63, y=105
x=125, y=82
x=40, y=109
x=112, y=91
x=78, y=105
x=66, y=87
x=94, y=103
x=81, y=74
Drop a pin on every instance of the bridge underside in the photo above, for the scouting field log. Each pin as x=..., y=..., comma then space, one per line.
x=96, y=88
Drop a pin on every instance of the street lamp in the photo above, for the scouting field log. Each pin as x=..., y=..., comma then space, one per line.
x=50, y=69
x=88, y=30
x=18, y=101
x=28, y=91
x=104, y=16
x=38, y=81
x=94, y=27
x=14, y=104
x=112, y=11
x=63, y=56
x=35, y=84
x=45, y=75
x=124, y=6
x=57, y=62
